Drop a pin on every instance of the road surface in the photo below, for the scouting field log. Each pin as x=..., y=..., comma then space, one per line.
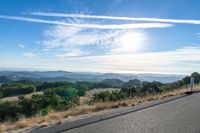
x=179, y=115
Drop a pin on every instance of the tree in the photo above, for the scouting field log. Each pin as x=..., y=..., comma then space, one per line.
x=196, y=77
x=130, y=91
x=48, y=85
x=63, y=91
x=9, y=110
x=16, y=89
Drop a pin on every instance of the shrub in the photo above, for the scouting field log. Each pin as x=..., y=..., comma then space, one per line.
x=101, y=96
x=196, y=77
x=16, y=89
x=130, y=91
x=145, y=89
x=81, y=89
x=9, y=110
x=149, y=88
x=37, y=104
x=108, y=96
x=62, y=91
x=43, y=104
x=48, y=85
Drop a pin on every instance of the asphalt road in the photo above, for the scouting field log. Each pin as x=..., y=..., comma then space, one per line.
x=177, y=116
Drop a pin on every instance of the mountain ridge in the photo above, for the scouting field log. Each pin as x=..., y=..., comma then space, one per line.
x=52, y=76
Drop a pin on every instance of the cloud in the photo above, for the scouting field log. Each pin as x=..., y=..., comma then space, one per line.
x=128, y=42
x=176, y=61
x=198, y=35
x=65, y=41
x=21, y=46
x=117, y=1
x=181, y=21
x=162, y=58
x=71, y=53
x=90, y=25
x=68, y=39
x=29, y=54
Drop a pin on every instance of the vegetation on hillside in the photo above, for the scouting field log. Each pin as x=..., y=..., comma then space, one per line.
x=134, y=88
x=114, y=83
x=16, y=89
x=60, y=96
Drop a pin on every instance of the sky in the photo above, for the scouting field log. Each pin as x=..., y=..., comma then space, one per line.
x=119, y=36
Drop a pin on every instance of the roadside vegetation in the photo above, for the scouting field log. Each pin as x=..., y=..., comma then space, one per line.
x=64, y=97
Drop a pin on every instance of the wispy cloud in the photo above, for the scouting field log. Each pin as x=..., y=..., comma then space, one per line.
x=179, y=61
x=117, y=1
x=29, y=54
x=21, y=46
x=147, y=62
x=71, y=53
x=67, y=38
x=90, y=25
x=162, y=58
x=198, y=35
x=183, y=21
x=68, y=41
x=65, y=41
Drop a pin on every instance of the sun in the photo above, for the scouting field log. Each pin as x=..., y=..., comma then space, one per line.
x=130, y=41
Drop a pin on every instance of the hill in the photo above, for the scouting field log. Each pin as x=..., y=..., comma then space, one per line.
x=52, y=76
x=114, y=83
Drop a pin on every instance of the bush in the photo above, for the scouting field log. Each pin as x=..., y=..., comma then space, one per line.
x=48, y=85
x=108, y=96
x=149, y=88
x=42, y=104
x=117, y=95
x=63, y=92
x=145, y=89
x=16, y=89
x=130, y=91
x=101, y=96
x=9, y=111
x=81, y=89
x=196, y=77
x=37, y=104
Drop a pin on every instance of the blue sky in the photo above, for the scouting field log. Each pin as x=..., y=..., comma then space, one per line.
x=123, y=36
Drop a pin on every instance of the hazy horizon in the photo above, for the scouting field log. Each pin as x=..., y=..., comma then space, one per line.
x=89, y=72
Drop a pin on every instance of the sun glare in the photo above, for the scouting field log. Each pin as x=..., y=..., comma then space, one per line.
x=131, y=41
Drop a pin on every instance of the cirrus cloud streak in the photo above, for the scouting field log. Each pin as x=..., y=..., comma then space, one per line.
x=183, y=21
x=90, y=25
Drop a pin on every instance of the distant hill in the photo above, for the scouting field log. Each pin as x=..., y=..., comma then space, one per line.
x=52, y=76
x=114, y=83
x=8, y=79
x=132, y=83
x=5, y=80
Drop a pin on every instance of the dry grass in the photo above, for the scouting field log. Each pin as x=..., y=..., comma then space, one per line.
x=24, y=123
x=15, y=98
x=59, y=117
x=3, y=127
